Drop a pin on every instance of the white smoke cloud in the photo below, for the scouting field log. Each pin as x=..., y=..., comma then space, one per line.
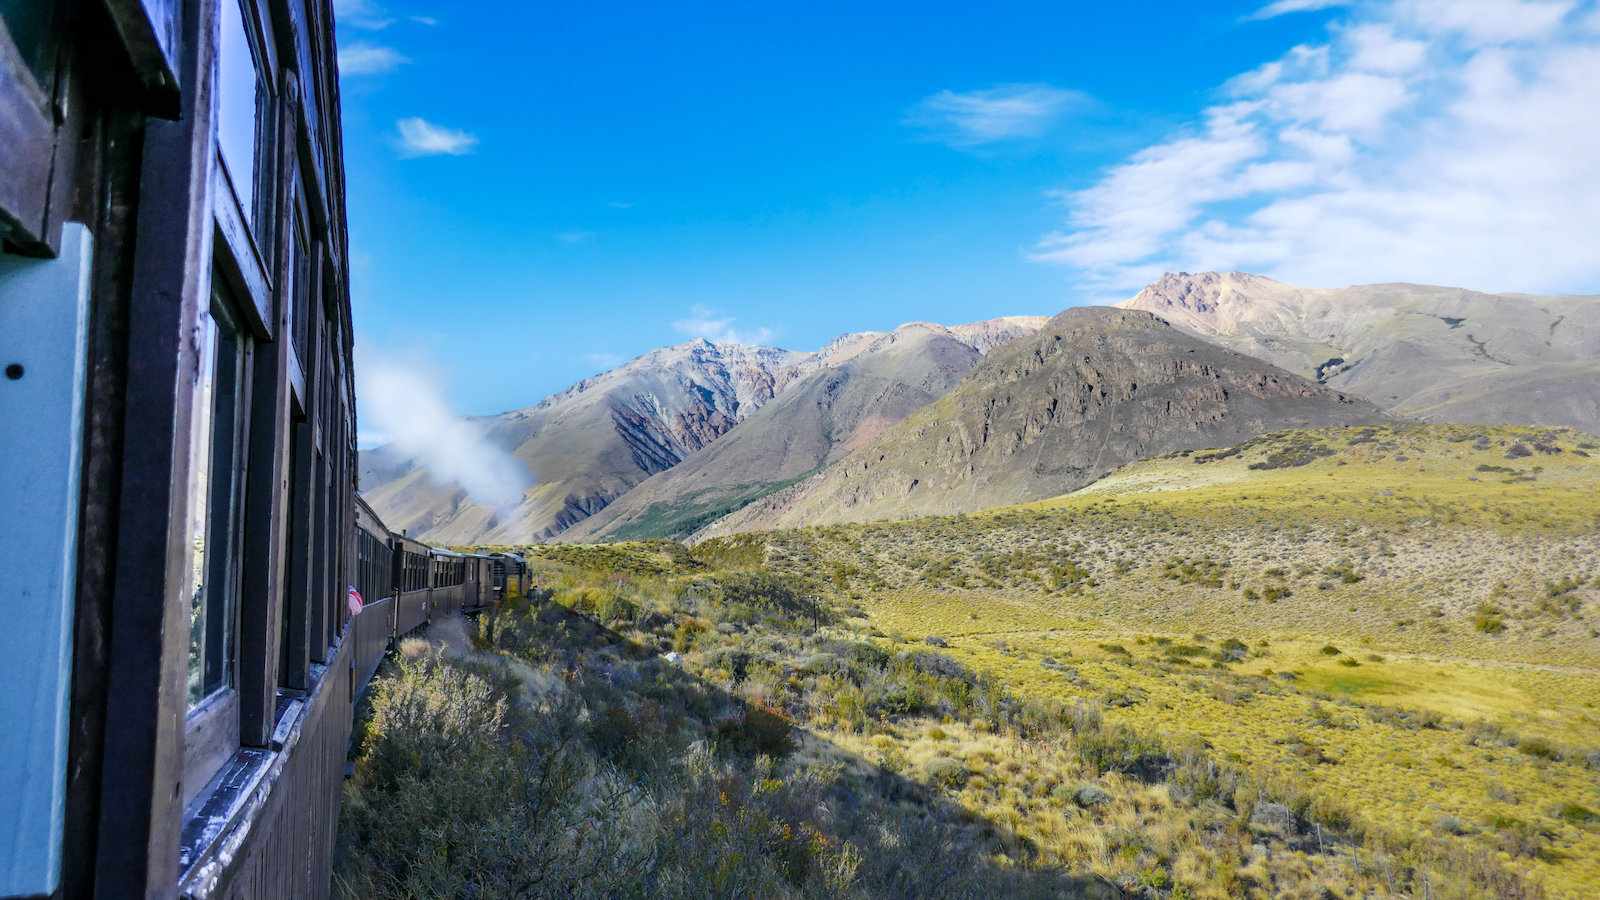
x=406, y=406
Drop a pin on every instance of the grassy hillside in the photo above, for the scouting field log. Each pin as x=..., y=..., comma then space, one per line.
x=1342, y=662
x=1404, y=621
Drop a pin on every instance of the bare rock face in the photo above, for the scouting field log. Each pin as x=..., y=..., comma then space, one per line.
x=874, y=380
x=1095, y=389
x=1436, y=353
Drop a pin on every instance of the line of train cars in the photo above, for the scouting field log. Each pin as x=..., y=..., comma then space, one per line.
x=419, y=583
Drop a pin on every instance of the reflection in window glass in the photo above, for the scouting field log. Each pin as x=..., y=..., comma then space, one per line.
x=214, y=503
x=200, y=435
x=238, y=87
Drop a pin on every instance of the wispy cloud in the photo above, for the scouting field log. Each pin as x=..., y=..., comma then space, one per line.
x=1285, y=7
x=704, y=322
x=1003, y=113
x=603, y=360
x=363, y=14
x=575, y=237
x=428, y=21
x=369, y=59
x=1451, y=143
x=620, y=204
x=419, y=137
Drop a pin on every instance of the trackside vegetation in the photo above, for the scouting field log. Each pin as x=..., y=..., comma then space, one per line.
x=1257, y=671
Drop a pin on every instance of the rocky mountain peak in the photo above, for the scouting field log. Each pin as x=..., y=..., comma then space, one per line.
x=1202, y=293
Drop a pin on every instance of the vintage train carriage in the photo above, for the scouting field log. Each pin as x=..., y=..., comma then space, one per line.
x=510, y=575
x=372, y=629
x=414, y=574
x=449, y=570
x=479, y=591
x=175, y=329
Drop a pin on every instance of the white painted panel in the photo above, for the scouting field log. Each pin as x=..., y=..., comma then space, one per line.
x=44, y=318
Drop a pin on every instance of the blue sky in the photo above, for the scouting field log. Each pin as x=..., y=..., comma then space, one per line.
x=538, y=191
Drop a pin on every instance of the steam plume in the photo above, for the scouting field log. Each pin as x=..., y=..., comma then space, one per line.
x=408, y=408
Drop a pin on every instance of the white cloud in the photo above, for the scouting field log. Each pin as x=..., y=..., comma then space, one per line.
x=1486, y=21
x=707, y=323
x=369, y=59
x=1285, y=7
x=575, y=237
x=1353, y=102
x=419, y=137
x=428, y=21
x=604, y=360
x=408, y=410
x=1421, y=143
x=1376, y=48
x=362, y=14
x=1007, y=112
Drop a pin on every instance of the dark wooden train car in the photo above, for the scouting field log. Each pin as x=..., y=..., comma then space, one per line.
x=373, y=628
x=449, y=580
x=175, y=329
x=414, y=575
x=509, y=572
x=479, y=585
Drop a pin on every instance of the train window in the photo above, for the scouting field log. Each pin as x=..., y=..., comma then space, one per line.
x=239, y=89
x=300, y=291
x=215, y=501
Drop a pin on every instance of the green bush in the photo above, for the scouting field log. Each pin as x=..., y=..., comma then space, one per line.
x=947, y=773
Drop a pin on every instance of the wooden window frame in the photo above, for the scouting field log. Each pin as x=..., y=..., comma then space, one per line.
x=211, y=729
x=248, y=230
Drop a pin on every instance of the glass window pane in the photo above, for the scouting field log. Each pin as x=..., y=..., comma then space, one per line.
x=238, y=88
x=214, y=503
x=226, y=508
x=200, y=500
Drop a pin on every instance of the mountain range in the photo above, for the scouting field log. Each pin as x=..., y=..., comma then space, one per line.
x=709, y=438
x=1433, y=353
x=593, y=442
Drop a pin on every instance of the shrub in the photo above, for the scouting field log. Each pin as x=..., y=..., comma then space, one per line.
x=1538, y=748
x=758, y=729
x=1233, y=650
x=1486, y=618
x=1089, y=795
x=687, y=634
x=947, y=773
x=1576, y=814
x=1121, y=749
x=1331, y=650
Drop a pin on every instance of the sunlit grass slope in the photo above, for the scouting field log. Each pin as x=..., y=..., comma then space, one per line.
x=1402, y=621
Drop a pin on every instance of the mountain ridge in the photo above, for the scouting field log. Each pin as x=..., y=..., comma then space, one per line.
x=1441, y=354
x=829, y=412
x=590, y=443
x=1096, y=388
